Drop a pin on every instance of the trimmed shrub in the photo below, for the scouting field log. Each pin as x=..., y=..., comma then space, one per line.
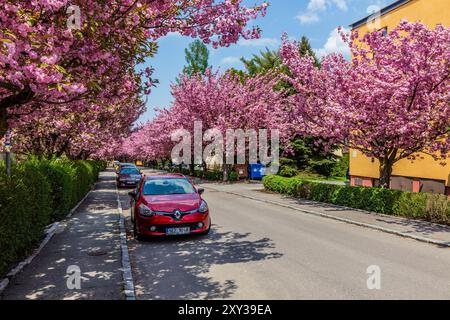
x=431, y=207
x=438, y=208
x=282, y=185
x=288, y=172
x=25, y=210
x=233, y=176
x=38, y=193
x=213, y=175
x=60, y=187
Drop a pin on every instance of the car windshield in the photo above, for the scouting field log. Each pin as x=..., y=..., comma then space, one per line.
x=159, y=187
x=129, y=171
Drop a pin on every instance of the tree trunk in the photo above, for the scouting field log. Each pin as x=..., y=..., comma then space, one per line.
x=386, y=165
x=192, y=165
x=3, y=122
x=205, y=168
x=225, y=172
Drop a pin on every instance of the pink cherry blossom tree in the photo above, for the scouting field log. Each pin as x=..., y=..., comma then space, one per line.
x=218, y=101
x=43, y=62
x=391, y=101
x=78, y=135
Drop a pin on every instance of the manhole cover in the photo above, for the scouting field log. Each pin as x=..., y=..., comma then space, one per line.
x=96, y=253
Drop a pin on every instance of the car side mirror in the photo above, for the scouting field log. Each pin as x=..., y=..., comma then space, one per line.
x=132, y=194
x=200, y=190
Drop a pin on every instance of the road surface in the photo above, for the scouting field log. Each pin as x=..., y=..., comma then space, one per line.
x=256, y=250
x=264, y=251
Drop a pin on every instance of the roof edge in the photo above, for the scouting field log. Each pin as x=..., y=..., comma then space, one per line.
x=383, y=11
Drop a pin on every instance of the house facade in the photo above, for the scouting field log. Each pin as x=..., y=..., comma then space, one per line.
x=423, y=174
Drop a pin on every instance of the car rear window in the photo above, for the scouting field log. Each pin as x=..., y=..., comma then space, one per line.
x=167, y=186
x=128, y=165
x=129, y=171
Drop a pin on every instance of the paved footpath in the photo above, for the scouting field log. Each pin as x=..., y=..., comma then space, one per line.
x=90, y=239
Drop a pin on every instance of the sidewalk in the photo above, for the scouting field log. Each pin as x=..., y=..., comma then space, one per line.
x=90, y=239
x=416, y=229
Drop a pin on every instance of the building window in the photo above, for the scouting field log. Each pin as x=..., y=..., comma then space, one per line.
x=402, y=183
x=423, y=185
x=358, y=181
x=432, y=186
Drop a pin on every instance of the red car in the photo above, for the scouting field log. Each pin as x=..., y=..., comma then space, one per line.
x=168, y=205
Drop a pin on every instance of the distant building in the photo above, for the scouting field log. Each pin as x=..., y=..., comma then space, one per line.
x=421, y=175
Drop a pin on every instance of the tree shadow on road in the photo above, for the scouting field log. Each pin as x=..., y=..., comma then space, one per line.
x=176, y=268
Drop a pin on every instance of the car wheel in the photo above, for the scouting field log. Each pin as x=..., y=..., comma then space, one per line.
x=136, y=234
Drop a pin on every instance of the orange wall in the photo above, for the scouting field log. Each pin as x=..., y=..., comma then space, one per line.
x=430, y=12
x=428, y=168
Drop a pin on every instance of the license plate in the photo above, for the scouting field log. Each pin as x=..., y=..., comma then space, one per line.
x=178, y=231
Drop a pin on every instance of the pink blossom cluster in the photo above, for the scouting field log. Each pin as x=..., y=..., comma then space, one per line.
x=61, y=78
x=219, y=101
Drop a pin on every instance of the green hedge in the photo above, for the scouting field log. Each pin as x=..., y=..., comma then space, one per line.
x=38, y=193
x=431, y=207
x=207, y=175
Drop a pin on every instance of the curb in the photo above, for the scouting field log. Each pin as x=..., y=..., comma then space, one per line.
x=49, y=233
x=349, y=221
x=127, y=274
x=70, y=214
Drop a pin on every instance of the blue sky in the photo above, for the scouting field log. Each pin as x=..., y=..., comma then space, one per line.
x=316, y=19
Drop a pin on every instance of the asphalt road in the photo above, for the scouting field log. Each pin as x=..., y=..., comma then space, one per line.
x=263, y=251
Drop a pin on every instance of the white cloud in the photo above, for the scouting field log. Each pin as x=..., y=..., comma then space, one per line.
x=262, y=42
x=341, y=4
x=315, y=6
x=308, y=17
x=334, y=44
x=230, y=60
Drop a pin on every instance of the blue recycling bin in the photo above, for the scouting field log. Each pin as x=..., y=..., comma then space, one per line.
x=257, y=171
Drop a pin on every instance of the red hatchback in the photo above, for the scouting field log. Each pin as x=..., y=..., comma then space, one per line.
x=168, y=205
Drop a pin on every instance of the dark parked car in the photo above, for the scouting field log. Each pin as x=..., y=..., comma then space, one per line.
x=128, y=177
x=123, y=165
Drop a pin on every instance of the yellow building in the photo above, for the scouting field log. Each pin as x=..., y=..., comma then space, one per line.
x=421, y=175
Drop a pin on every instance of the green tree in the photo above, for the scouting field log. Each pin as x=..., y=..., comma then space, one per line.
x=269, y=60
x=305, y=48
x=197, y=56
x=263, y=62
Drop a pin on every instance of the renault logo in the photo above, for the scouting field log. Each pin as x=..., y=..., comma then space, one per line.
x=177, y=214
